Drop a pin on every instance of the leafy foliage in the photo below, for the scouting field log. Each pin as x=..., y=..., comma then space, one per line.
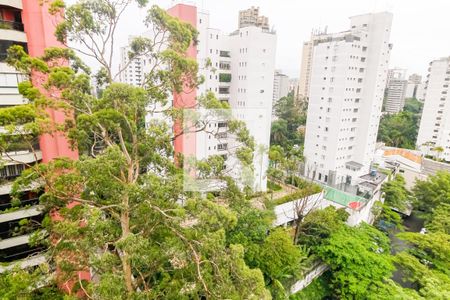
x=399, y=130
x=359, y=260
x=413, y=105
x=432, y=192
x=440, y=219
x=290, y=116
x=320, y=224
x=395, y=193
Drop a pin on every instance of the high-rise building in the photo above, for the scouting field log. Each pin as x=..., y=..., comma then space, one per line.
x=239, y=69
x=348, y=78
x=133, y=71
x=28, y=24
x=415, y=78
x=420, y=91
x=305, y=65
x=395, y=73
x=396, y=91
x=410, y=90
x=305, y=70
x=251, y=17
x=434, y=131
x=281, y=86
x=293, y=85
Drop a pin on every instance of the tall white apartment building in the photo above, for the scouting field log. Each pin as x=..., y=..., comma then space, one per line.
x=434, y=128
x=239, y=69
x=132, y=71
x=414, y=80
x=420, y=91
x=305, y=70
x=348, y=78
x=281, y=86
x=306, y=64
x=396, y=90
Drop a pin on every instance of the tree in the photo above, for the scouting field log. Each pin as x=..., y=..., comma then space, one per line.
x=386, y=218
x=399, y=130
x=276, y=155
x=395, y=193
x=359, y=259
x=432, y=192
x=279, y=260
x=413, y=105
x=432, y=248
x=426, y=262
x=440, y=220
x=319, y=224
x=290, y=116
x=121, y=211
x=431, y=284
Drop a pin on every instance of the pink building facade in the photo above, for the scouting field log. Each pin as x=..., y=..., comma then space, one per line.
x=185, y=143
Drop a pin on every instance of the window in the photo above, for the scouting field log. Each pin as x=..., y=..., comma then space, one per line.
x=222, y=147
x=221, y=135
x=222, y=124
x=326, y=129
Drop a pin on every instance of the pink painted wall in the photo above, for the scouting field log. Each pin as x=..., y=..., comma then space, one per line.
x=185, y=144
x=39, y=28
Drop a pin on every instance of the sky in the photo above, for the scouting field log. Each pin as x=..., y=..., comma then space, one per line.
x=420, y=29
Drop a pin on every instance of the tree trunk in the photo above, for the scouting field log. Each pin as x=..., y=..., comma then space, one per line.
x=126, y=266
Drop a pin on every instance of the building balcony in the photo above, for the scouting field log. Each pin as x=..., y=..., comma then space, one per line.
x=21, y=157
x=5, y=204
x=225, y=54
x=15, y=241
x=224, y=90
x=11, y=25
x=16, y=248
x=10, y=38
x=224, y=78
x=225, y=66
x=12, y=3
x=28, y=262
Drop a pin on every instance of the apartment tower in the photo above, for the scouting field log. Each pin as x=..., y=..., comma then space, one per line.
x=434, y=130
x=28, y=24
x=395, y=91
x=281, y=86
x=348, y=78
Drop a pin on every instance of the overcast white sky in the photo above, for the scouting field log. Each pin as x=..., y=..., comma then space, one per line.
x=420, y=30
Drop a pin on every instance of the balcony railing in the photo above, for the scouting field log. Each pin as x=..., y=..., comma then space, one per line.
x=5, y=44
x=225, y=54
x=223, y=77
x=11, y=25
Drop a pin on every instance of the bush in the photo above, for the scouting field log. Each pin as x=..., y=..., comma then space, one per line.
x=273, y=186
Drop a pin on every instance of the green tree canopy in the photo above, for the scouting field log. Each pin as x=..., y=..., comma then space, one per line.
x=395, y=193
x=440, y=219
x=359, y=259
x=399, y=130
x=432, y=192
